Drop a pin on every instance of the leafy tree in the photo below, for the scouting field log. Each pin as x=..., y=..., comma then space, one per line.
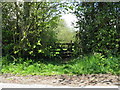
x=29, y=28
x=98, y=27
x=64, y=33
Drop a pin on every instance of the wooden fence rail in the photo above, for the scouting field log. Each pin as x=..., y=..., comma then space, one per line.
x=64, y=50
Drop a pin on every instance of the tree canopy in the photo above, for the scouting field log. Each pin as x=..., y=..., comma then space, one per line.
x=30, y=29
x=98, y=24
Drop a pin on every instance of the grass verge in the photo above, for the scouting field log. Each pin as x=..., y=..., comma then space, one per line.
x=92, y=64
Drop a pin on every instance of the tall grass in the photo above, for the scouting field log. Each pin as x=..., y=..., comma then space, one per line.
x=92, y=64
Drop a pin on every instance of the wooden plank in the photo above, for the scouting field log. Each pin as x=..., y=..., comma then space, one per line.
x=64, y=43
x=63, y=50
x=55, y=48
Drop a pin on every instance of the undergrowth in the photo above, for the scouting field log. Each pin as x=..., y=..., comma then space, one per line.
x=92, y=64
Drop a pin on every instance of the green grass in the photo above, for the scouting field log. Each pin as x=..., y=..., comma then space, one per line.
x=92, y=64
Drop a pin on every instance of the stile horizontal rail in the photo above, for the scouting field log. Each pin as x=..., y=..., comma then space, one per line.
x=62, y=49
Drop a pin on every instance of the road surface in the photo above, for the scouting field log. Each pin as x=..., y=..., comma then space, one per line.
x=12, y=85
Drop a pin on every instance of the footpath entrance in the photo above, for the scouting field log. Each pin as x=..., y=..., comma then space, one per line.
x=63, y=50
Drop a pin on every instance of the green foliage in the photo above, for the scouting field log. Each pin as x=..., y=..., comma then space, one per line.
x=29, y=28
x=30, y=31
x=98, y=27
x=64, y=33
x=92, y=64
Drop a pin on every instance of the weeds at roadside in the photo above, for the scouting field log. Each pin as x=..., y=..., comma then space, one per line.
x=92, y=64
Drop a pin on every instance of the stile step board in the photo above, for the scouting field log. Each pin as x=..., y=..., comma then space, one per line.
x=64, y=43
x=62, y=49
